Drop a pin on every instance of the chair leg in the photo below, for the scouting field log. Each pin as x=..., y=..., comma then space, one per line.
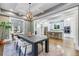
x=25, y=51
x=42, y=45
x=19, y=50
x=17, y=46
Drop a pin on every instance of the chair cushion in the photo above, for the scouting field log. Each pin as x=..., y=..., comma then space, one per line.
x=28, y=49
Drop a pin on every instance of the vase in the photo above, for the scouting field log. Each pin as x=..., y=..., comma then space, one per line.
x=2, y=42
x=29, y=33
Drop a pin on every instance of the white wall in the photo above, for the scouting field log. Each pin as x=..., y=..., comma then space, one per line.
x=71, y=19
x=72, y=22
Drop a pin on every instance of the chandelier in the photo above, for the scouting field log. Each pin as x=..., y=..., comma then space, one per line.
x=29, y=14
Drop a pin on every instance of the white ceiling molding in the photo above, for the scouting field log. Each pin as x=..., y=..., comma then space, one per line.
x=61, y=15
x=53, y=16
x=58, y=10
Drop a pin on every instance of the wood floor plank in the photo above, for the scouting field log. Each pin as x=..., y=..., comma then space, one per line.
x=1, y=50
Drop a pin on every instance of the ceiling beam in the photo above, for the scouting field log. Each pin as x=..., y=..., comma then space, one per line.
x=51, y=9
x=11, y=12
x=53, y=13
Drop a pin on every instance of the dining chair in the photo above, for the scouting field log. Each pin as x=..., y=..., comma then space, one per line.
x=22, y=47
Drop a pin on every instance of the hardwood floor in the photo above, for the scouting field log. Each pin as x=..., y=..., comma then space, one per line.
x=68, y=46
x=1, y=50
x=56, y=41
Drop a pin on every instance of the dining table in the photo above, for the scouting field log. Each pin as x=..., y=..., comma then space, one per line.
x=35, y=40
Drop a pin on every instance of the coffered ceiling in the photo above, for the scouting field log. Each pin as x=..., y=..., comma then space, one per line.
x=38, y=9
x=22, y=8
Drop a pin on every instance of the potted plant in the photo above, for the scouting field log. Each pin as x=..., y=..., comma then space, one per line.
x=4, y=27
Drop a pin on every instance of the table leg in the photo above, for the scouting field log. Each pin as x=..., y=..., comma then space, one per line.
x=47, y=46
x=35, y=49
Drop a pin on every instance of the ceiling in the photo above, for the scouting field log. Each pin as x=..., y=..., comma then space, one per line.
x=22, y=8
x=37, y=9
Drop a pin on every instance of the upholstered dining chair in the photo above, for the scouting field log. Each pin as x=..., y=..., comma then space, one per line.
x=22, y=47
x=25, y=48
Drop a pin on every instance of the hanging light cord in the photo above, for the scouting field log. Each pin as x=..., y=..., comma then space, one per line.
x=29, y=6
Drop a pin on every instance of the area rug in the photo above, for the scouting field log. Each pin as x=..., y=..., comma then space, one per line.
x=9, y=50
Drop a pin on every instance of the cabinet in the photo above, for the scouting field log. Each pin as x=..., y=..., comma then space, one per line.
x=56, y=35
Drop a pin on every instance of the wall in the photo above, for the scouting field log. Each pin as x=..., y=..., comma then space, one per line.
x=72, y=22
x=71, y=19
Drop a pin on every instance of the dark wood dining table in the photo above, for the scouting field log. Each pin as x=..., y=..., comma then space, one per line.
x=34, y=40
